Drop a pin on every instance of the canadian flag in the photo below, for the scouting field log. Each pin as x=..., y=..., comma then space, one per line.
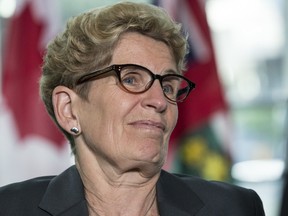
x=30, y=143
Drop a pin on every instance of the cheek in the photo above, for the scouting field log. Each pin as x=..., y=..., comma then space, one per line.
x=100, y=123
x=107, y=114
x=173, y=117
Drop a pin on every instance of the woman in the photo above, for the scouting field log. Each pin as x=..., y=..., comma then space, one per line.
x=111, y=82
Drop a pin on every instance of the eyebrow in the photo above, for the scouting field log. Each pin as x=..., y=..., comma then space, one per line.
x=171, y=71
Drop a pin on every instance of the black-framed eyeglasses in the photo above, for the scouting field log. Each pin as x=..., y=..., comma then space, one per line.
x=137, y=79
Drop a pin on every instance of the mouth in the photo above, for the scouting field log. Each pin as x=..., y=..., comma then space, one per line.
x=149, y=124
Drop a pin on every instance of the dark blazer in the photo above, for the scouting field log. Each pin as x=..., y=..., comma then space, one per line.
x=177, y=195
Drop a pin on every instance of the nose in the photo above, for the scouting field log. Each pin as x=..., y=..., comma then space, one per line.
x=155, y=98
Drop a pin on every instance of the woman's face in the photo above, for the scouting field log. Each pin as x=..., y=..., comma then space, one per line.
x=130, y=130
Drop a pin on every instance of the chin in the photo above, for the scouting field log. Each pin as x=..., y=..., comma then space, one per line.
x=155, y=161
x=150, y=170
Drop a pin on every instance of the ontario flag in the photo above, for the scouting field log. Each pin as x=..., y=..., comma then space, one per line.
x=200, y=142
x=30, y=144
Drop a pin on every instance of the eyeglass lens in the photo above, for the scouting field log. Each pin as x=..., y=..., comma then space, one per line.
x=138, y=79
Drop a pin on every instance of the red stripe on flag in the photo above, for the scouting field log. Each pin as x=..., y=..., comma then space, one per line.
x=208, y=97
x=21, y=72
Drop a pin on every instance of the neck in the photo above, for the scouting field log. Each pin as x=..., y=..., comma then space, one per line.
x=111, y=191
x=118, y=205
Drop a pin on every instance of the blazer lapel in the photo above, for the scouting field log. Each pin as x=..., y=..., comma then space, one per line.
x=176, y=198
x=65, y=195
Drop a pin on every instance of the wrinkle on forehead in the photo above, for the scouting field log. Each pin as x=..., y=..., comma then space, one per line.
x=134, y=48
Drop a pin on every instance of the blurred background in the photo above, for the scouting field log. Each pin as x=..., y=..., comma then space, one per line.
x=234, y=126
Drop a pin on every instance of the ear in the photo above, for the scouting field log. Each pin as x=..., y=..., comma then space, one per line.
x=63, y=99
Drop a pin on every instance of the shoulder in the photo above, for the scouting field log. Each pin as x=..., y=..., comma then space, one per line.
x=23, y=196
x=204, y=187
x=218, y=188
x=220, y=196
x=36, y=187
x=43, y=196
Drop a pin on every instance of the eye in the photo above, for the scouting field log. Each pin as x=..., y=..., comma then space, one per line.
x=132, y=79
x=168, y=89
x=128, y=80
x=170, y=85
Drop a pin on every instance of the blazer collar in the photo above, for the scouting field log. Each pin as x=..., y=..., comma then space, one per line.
x=68, y=189
x=173, y=195
x=176, y=198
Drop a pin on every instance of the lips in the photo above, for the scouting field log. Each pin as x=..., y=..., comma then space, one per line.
x=149, y=124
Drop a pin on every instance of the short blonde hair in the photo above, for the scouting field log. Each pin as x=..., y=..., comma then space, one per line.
x=88, y=42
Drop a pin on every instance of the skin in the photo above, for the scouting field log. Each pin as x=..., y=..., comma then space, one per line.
x=123, y=139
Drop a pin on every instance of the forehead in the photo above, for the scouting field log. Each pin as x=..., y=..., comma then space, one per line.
x=134, y=48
